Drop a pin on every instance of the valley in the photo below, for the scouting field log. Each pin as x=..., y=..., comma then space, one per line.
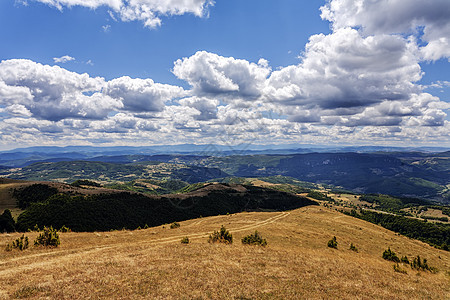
x=409, y=174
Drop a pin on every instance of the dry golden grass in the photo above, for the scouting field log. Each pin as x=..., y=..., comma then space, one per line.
x=430, y=212
x=6, y=199
x=296, y=264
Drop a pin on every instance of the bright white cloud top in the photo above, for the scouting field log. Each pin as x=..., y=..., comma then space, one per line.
x=147, y=11
x=63, y=59
x=358, y=84
x=394, y=17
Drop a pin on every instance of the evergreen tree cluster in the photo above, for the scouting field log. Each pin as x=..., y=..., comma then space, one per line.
x=390, y=255
x=33, y=194
x=416, y=264
x=127, y=210
x=254, y=239
x=7, y=223
x=435, y=234
x=221, y=236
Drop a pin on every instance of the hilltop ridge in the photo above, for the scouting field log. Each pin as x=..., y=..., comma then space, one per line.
x=296, y=263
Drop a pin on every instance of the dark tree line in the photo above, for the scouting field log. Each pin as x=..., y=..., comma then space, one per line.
x=127, y=210
x=435, y=234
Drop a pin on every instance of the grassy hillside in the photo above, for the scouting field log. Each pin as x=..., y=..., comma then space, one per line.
x=7, y=200
x=296, y=263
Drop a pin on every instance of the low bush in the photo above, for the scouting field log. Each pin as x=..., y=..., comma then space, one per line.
x=174, y=225
x=64, y=228
x=49, y=237
x=390, y=255
x=399, y=270
x=222, y=236
x=422, y=265
x=333, y=243
x=20, y=243
x=254, y=239
x=404, y=260
x=353, y=247
x=185, y=240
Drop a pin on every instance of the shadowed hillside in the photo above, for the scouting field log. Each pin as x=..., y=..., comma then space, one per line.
x=126, y=210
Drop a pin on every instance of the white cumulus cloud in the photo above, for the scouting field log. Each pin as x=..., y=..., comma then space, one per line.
x=209, y=73
x=428, y=20
x=147, y=11
x=142, y=95
x=53, y=93
x=63, y=59
x=344, y=70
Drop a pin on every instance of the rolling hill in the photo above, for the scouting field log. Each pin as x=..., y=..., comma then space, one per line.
x=412, y=174
x=132, y=210
x=297, y=263
x=69, y=171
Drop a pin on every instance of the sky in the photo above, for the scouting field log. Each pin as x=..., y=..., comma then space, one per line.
x=154, y=72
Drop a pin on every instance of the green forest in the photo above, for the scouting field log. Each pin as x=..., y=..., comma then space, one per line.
x=131, y=210
x=435, y=234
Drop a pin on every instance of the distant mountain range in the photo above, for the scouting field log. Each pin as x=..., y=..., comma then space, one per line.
x=21, y=157
x=397, y=172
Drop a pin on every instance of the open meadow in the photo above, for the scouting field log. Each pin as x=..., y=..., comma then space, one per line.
x=296, y=263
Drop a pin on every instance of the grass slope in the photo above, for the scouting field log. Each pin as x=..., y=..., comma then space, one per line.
x=7, y=201
x=296, y=264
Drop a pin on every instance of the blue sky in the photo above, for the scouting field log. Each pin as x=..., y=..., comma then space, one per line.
x=246, y=71
x=275, y=31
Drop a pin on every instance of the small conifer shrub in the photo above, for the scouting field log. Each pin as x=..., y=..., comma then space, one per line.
x=333, y=243
x=174, y=225
x=422, y=265
x=222, y=236
x=390, y=255
x=185, y=240
x=404, y=260
x=399, y=270
x=49, y=237
x=254, y=239
x=353, y=247
x=20, y=243
x=64, y=228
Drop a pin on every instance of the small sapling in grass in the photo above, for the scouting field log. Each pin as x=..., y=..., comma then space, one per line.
x=333, y=243
x=222, y=236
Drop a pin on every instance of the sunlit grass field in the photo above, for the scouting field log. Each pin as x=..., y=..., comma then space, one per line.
x=296, y=263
